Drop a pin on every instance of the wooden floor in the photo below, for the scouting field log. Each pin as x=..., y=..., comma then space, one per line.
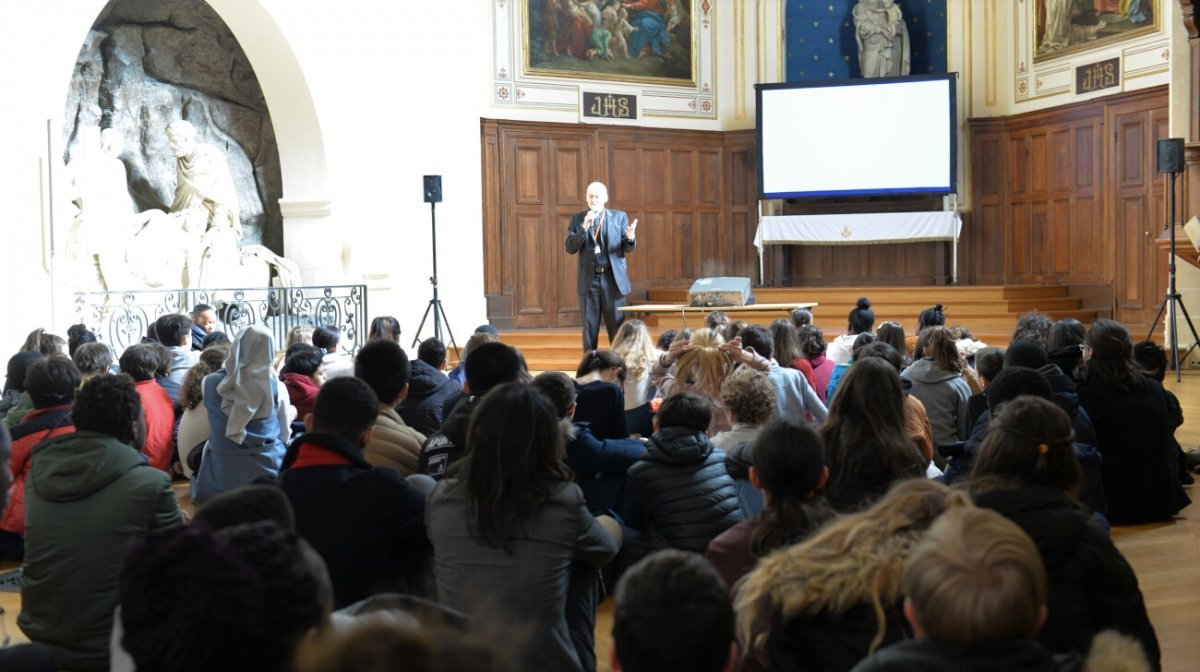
x=1166, y=557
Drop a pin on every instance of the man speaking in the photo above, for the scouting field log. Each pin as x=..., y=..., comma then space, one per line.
x=601, y=238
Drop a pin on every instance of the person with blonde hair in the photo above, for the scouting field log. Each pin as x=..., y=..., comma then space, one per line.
x=636, y=349
x=701, y=364
x=297, y=334
x=837, y=597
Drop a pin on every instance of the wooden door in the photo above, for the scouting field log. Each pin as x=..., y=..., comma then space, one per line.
x=1138, y=214
x=545, y=180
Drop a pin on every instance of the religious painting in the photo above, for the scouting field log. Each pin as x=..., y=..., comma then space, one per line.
x=1070, y=26
x=650, y=41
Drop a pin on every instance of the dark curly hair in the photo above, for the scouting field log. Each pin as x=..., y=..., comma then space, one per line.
x=240, y=598
x=108, y=405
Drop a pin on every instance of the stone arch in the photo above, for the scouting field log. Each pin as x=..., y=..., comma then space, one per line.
x=293, y=113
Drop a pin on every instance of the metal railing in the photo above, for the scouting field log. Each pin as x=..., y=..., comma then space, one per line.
x=121, y=318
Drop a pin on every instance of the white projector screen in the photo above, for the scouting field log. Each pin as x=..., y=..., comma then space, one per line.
x=859, y=137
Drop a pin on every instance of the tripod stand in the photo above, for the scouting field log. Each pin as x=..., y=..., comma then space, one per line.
x=435, y=304
x=1173, y=296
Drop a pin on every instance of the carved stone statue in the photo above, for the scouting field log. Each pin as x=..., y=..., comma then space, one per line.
x=207, y=199
x=99, y=192
x=195, y=245
x=883, y=47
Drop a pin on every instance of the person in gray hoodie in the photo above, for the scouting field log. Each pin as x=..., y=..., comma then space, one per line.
x=937, y=381
x=89, y=494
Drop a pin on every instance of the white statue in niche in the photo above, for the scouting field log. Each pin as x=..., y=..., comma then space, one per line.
x=883, y=47
x=103, y=209
x=207, y=200
x=192, y=246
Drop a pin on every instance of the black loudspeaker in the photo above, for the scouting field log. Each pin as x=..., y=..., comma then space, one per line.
x=1170, y=155
x=433, y=184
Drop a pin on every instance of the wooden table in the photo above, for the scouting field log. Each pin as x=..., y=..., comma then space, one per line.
x=685, y=309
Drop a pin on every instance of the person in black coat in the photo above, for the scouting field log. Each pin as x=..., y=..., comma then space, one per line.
x=366, y=522
x=679, y=494
x=1026, y=470
x=599, y=466
x=1133, y=430
x=428, y=389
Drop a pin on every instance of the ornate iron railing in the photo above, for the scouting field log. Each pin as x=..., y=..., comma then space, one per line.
x=121, y=318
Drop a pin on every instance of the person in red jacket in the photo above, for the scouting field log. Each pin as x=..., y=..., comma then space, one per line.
x=141, y=362
x=51, y=384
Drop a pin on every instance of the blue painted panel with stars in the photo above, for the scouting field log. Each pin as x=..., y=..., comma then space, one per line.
x=820, y=42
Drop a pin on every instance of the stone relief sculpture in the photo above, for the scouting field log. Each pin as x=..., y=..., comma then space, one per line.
x=883, y=46
x=194, y=245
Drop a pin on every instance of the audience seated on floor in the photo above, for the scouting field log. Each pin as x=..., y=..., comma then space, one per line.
x=429, y=387
x=679, y=494
x=512, y=537
x=1153, y=359
x=490, y=364
x=599, y=465
x=865, y=437
x=141, y=362
x=89, y=494
x=1062, y=345
x=1027, y=471
x=386, y=369
x=410, y=644
x=672, y=614
x=700, y=364
x=975, y=596
x=933, y=316
x=366, y=522
x=789, y=469
x=248, y=418
x=835, y=598
x=51, y=384
x=988, y=363
x=793, y=395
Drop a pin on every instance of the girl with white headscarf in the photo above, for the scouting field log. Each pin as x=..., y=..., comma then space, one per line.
x=247, y=416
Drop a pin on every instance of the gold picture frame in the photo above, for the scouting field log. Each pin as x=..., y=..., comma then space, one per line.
x=1064, y=27
x=642, y=41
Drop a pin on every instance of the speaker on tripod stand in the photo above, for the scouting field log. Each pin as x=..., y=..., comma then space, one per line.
x=433, y=195
x=1170, y=164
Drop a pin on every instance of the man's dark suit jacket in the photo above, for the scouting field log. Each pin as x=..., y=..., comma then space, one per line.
x=581, y=242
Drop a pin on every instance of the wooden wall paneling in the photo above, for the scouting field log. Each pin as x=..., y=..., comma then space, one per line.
x=493, y=281
x=1136, y=205
x=739, y=205
x=985, y=239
